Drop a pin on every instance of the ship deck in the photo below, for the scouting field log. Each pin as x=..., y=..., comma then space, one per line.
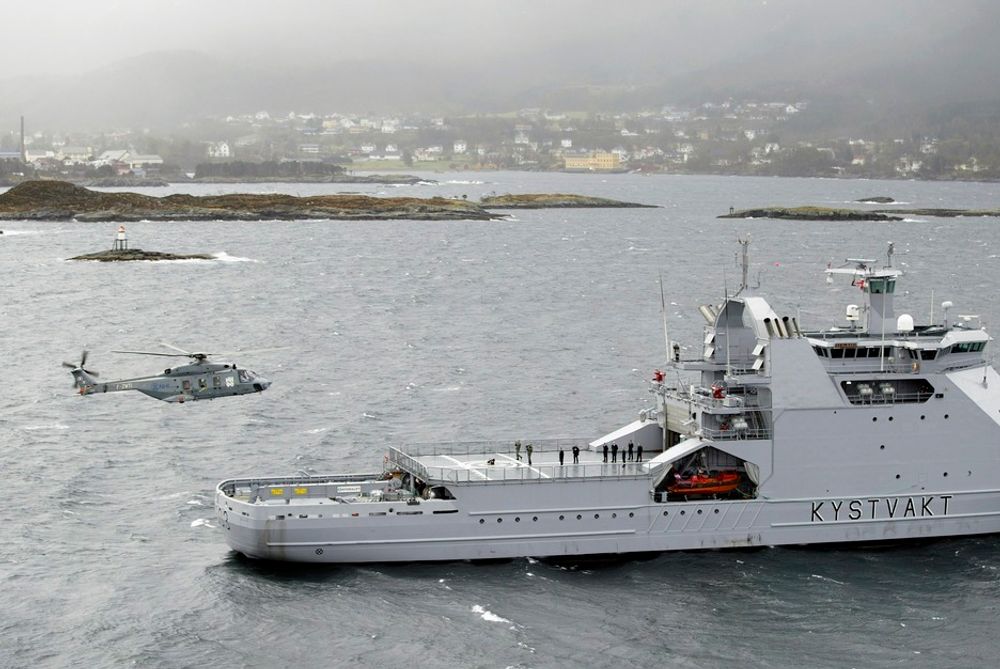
x=483, y=462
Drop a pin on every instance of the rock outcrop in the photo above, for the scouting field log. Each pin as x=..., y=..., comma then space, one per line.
x=138, y=254
x=552, y=201
x=59, y=200
x=812, y=214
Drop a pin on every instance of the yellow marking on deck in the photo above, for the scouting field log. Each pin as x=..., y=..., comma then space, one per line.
x=277, y=491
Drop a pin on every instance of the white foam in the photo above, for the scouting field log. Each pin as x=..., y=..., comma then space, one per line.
x=488, y=616
x=914, y=220
x=16, y=233
x=201, y=522
x=32, y=428
x=464, y=182
x=195, y=502
x=225, y=257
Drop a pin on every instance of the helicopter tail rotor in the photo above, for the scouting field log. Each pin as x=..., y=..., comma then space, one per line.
x=82, y=377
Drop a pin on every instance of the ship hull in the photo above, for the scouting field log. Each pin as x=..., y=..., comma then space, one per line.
x=257, y=532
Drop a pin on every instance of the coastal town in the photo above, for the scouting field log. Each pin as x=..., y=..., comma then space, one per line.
x=747, y=137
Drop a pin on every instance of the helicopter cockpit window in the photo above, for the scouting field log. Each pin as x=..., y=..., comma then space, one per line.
x=246, y=376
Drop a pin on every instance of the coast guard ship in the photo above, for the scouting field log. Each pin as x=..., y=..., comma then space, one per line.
x=877, y=429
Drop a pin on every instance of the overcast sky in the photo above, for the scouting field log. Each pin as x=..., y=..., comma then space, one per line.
x=70, y=36
x=454, y=55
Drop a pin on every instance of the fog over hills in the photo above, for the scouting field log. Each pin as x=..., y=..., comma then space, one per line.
x=864, y=62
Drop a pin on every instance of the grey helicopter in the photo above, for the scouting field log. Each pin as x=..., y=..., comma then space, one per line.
x=199, y=380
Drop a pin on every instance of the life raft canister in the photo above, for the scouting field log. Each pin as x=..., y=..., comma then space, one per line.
x=658, y=376
x=717, y=392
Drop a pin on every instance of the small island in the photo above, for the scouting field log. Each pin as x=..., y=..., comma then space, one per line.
x=949, y=213
x=877, y=199
x=811, y=214
x=554, y=201
x=126, y=255
x=271, y=171
x=62, y=201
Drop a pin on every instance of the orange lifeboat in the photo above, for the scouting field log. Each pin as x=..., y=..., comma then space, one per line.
x=718, y=483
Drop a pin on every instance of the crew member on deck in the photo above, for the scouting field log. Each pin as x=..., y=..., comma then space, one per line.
x=605, y=451
x=638, y=453
x=562, y=455
x=614, y=452
x=576, y=455
x=631, y=451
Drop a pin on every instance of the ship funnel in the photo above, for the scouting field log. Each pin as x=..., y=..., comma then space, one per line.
x=945, y=306
x=795, y=326
x=904, y=323
x=769, y=327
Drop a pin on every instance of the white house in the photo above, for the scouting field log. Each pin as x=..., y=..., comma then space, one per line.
x=219, y=150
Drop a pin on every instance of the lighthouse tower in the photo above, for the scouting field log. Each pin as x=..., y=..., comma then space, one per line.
x=121, y=241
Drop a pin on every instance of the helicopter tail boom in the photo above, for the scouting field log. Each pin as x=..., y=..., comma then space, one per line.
x=82, y=380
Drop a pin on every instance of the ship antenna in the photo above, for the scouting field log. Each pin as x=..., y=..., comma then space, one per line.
x=725, y=307
x=663, y=311
x=744, y=262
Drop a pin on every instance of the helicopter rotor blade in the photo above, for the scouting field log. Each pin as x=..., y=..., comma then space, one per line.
x=70, y=365
x=166, y=355
x=253, y=350
x=176, y=348
x=83, y=358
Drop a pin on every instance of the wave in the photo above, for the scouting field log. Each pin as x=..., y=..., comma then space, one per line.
x=225, y=257
x=17, y=233
x=488, y=616
x=469, y=182
x=914, y=220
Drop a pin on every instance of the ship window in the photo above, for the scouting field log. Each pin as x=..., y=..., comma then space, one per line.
x=849, y=352
x=837, y=353
x=928, y=354
x=820, y=351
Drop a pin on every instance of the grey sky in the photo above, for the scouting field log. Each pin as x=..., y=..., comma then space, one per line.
x=449, y=55
x=70, y=36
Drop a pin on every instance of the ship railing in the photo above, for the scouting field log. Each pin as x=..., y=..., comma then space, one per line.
x=480, y=472
x=706, y=400
x=891, y=398
x=732, y=435
x=312, y=485
x=495, y=447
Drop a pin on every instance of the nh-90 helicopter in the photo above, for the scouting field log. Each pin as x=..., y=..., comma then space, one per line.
x=199, y=380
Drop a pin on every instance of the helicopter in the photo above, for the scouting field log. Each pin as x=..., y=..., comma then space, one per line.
x=199, y=380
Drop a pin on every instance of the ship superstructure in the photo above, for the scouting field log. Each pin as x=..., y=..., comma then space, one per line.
x=875, y=429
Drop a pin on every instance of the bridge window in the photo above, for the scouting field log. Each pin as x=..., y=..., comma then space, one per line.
x=928, y=354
